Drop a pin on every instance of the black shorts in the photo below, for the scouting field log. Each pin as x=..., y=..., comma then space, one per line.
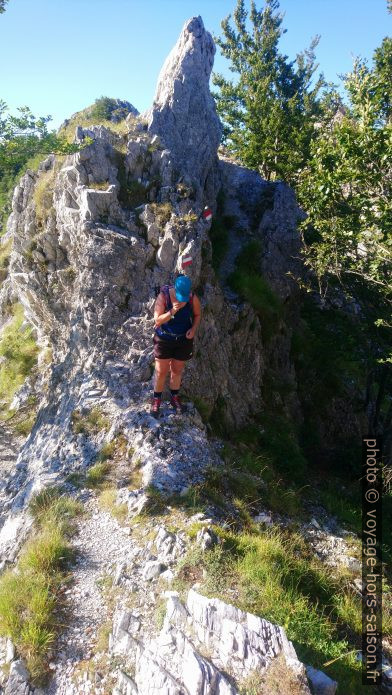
x=173, y=349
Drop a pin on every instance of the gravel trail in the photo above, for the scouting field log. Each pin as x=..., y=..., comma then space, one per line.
x=101, y=543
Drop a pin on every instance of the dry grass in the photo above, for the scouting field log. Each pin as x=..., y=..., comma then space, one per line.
x=107, y=502
x=99, y=185
x=162, y=212
x=43, y=191
x=279, y=679
x=85, y=120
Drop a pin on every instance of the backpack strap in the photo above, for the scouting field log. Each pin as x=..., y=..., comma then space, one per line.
x=166, y=294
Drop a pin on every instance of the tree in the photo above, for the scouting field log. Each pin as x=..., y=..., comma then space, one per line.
x=22, y=137
x=346, y=190
x=269, y=112
x=2, y=5
x=347, y=184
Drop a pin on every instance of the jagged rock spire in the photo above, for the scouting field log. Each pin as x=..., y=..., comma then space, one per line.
x=183, y=113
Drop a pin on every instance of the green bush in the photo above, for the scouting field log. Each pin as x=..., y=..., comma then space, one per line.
x=105, y=108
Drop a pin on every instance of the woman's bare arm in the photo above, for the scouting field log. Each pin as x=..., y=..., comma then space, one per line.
x=160, y=314
x=196, y=317
x=196, y=313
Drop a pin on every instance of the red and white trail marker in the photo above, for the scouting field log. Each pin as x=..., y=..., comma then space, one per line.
x=186, y=260
x=207, y=214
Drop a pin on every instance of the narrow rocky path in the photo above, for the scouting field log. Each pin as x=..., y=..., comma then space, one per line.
x=102, y=544
x=112, y=574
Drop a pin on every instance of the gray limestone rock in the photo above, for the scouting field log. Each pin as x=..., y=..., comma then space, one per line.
x=206, y=538
x=320, y=682
x=183, y=113
x=109, y=224
x=18, y=681
x=238, y=643
x=125, y=685
x=152, y=569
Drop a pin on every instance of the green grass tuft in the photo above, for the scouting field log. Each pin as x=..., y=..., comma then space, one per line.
x=107, y=451
x=30, y=605
x=272, y=574
x=107, y=501
x=20, y=351
x=91, y=423
x=5, y=253
x=97, y=474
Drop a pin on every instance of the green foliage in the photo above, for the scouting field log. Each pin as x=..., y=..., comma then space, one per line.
x=20, y=351
x=25, y=425
x=160, y=612
x=2, y=5
x=29, y=598
x=88, y=117
x=269, y=110
x=335, y=356
x=107, y=451
x=104, y=108
x=43, y=196
x=5, y=252
x=107, y=501
x=22, y=138
x=275, y=575
x=278, y=440
x=253, y=287
x=346, y=190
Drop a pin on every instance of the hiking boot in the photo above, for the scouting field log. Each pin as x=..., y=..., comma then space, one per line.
x=155, y=405
x=177, y=405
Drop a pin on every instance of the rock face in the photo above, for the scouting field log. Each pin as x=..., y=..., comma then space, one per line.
x=238, y=643
x=93, y=234
x=183, y=113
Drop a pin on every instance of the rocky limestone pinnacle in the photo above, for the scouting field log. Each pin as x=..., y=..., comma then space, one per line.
x=183, y=114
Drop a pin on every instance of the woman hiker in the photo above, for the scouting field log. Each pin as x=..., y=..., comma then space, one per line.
x=177, y=315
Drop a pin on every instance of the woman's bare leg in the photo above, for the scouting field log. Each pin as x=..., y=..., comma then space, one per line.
x=176, y=370
x=162, y=368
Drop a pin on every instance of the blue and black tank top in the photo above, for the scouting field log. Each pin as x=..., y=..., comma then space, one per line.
x=180, y=323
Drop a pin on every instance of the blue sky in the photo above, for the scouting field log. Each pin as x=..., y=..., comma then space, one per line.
x=58, y=56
